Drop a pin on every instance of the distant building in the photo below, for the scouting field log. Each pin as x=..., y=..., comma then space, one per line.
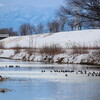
x=2, y=36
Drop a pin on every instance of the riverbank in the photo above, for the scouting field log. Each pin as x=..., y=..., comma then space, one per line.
x=92, y=57
x=62, y=47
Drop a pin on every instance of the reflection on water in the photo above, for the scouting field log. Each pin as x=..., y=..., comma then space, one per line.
x=50, y=86
x=39, y=89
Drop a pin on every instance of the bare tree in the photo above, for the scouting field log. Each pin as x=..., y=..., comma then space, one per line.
x=70, y=23
x=62, y=23
x=90, y=9
x=53, y=26
x=35, y=29
x=87, y=11
x=26, y=29
x=62, y=19
x=38, y=29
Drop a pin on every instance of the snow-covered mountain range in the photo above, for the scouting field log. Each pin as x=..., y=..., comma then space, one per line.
x=14, y=16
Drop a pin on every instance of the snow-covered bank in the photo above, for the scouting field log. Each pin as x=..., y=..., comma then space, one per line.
x=87, y=38
x=90, y=58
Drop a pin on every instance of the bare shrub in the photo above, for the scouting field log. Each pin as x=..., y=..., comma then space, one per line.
x=96, y=44
x=90, y=45
x=51, y=50
x=17, y=49
x=2, y=45
x=79, y=50
x=30, y=51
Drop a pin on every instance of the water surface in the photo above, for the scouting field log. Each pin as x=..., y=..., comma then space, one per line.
x=30, y=83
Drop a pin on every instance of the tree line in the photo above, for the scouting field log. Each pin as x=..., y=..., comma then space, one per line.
x=72, y=15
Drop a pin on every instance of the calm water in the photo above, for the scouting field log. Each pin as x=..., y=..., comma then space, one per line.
x=31, y=84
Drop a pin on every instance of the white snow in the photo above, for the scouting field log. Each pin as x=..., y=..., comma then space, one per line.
x=6, y=53
x=65, y=39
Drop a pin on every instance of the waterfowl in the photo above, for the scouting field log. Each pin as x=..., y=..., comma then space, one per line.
x=11, y=66
x=66, y=75
x=17, y=66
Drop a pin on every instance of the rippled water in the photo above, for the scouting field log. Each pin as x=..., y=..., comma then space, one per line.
x=31, y=84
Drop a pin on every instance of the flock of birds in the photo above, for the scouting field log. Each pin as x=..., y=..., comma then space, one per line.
x=10, y=66
x=88, y=73
x=92, y=73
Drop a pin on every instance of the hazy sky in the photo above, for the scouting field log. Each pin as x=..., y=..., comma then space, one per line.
x=35, y=3
x=22, y=15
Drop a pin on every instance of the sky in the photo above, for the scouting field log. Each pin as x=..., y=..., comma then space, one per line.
x=35, y=3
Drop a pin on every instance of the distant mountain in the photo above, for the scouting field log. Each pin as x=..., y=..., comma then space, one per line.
x=15, y=16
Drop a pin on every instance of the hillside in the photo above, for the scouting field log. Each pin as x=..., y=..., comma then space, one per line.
x=78, y=47
x=64, y=39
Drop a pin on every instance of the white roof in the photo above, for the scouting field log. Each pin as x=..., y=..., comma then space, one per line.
x=4, y=35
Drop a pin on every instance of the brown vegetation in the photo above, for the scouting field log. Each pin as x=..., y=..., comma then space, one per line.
x=52, y=50
x=79, y=50
x=17, y=49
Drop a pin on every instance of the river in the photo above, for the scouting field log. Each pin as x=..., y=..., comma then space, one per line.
x=39, y=81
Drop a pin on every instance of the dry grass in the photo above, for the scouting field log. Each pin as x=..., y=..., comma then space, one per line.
x=78, y=48
x=17, y=49
x=93, y=45
x=51, y=50
x=30, y=51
